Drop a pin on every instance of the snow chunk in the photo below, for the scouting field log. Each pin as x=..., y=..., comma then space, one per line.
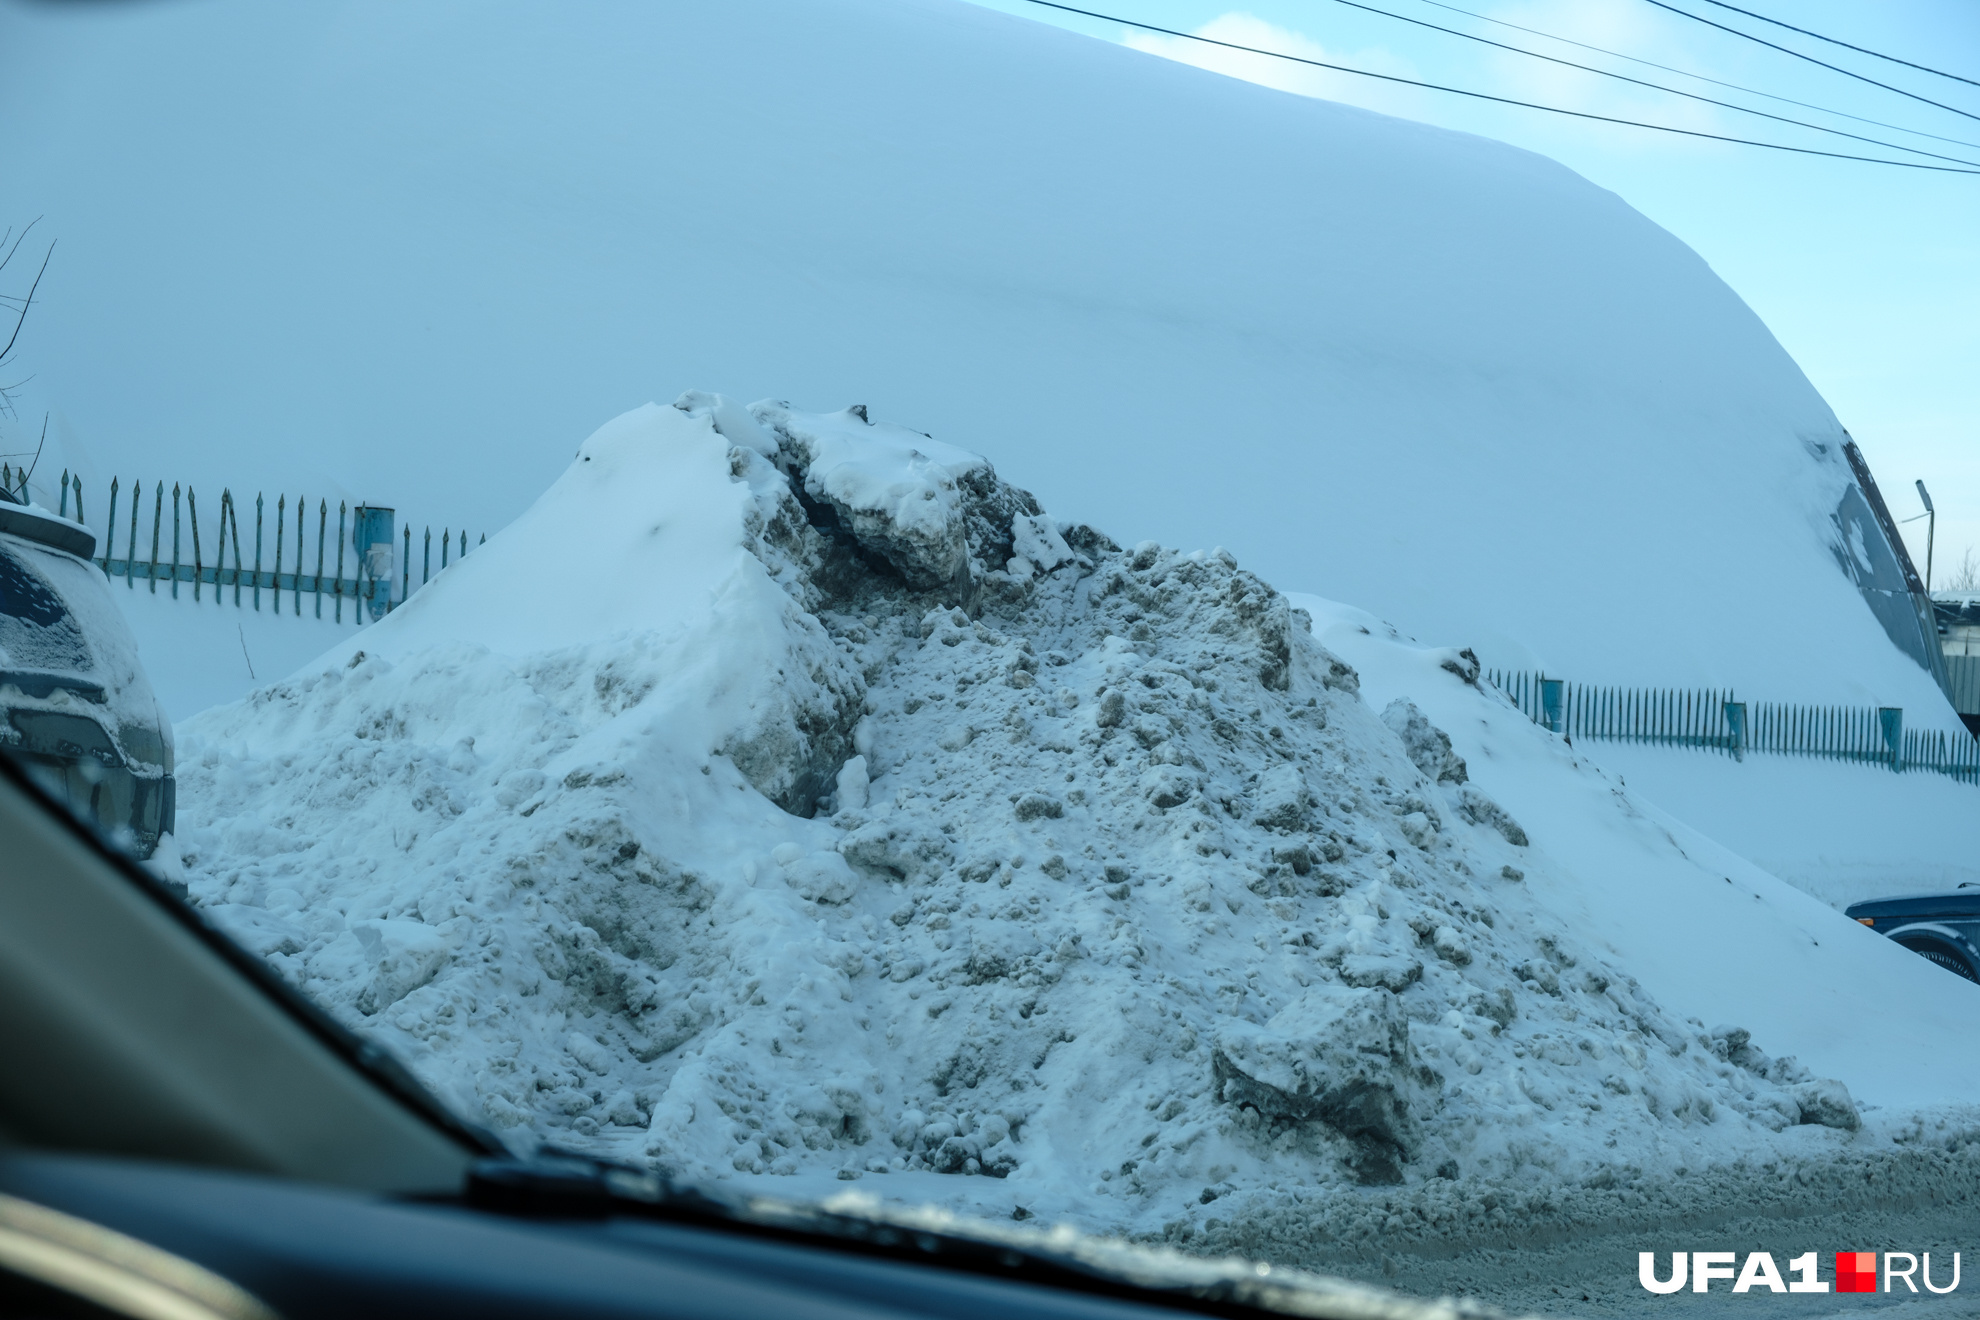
x=894, y=490
x=1282, y=799
x=404, y=956
x=1037, y=540
x=1475, y=807
x=1335, y=1054
x=1429, y=747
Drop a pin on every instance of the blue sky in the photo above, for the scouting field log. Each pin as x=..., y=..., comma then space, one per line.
x=1870, y=276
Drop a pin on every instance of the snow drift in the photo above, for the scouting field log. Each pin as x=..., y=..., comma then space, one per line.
x=786, y=795
x=1443, y=378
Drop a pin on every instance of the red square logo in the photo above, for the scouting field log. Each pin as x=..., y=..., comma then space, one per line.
x=1856, y=1271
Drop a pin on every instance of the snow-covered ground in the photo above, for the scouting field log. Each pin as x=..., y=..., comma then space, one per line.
x=841, y=817
x=1892, y=834
x=206, y=653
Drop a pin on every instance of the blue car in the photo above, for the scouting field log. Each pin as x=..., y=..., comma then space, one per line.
x=1942, y=927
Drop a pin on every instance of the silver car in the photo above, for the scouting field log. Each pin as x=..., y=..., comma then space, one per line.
x=75, y=706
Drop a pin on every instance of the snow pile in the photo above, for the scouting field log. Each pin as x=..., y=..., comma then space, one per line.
x=785, y=794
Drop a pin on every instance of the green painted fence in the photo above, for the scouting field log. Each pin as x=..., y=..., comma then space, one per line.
x=1717, y=721
x=166, y=550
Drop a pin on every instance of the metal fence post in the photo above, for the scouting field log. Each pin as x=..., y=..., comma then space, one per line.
x=110, y=529
x=199, y=569
x=1552, y=714
x=341, y=506
x=1736, y=729
x=234, y=522
x=175, y=540
x=1890, y=722
x=372, y=540
x=257, y=550
x=281, y=535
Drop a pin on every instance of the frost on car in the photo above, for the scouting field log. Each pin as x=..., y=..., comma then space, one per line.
x=75, y=706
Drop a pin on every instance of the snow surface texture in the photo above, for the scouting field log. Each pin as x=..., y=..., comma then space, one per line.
x=841, y=815
x=1901, y=834
x=1442, y=377
x=205, y=653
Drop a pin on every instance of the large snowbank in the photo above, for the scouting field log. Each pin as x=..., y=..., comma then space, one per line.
x=786, y=797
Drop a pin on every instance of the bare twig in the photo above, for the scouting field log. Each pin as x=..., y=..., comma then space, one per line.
x=20, y=306
x=17, y=241
x=1967, y=576
x=37, y=452
x=28, y=301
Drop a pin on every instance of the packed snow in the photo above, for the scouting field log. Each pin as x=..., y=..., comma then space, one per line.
x=1840, y=831
x=787, y=800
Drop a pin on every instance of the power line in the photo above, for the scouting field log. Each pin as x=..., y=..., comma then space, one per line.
x=1861, y=50
x=1687, y=73
x=1785, y=50
x=1501, y=100
x=1640, y=82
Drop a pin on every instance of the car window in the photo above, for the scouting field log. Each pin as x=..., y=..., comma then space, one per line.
x=1036, y=617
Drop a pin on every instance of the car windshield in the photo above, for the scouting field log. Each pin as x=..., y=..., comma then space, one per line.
x=1050, y=618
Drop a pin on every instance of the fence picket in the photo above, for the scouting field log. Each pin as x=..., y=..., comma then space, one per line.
x=339, y=601
x=281, y=530
x=192, y=516
x=322, y=524
x=1700, y=718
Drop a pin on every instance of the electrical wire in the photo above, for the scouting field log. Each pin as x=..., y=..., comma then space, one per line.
x=1686, y=73
x=1640, y=82
x=1861, y=50
x=1501, y=100
x=1834, y=68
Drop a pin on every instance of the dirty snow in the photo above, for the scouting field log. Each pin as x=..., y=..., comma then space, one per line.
x=786, y=799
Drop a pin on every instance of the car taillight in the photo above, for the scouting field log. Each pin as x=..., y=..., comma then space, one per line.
x=1868, y=921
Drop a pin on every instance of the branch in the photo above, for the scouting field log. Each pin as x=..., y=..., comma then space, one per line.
x=28, y=301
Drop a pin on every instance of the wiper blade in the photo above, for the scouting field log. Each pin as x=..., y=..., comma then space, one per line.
x=567, y=1185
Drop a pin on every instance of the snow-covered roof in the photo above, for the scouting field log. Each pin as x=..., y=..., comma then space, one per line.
x=1440, y=377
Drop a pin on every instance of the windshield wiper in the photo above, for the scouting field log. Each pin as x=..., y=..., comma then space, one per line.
x=564, y=1184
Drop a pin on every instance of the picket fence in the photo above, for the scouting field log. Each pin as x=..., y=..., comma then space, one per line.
x=1716, y=721
x=373, y=587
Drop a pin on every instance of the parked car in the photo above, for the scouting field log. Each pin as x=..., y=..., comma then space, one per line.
x=75, y=706
x=1942, y=927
